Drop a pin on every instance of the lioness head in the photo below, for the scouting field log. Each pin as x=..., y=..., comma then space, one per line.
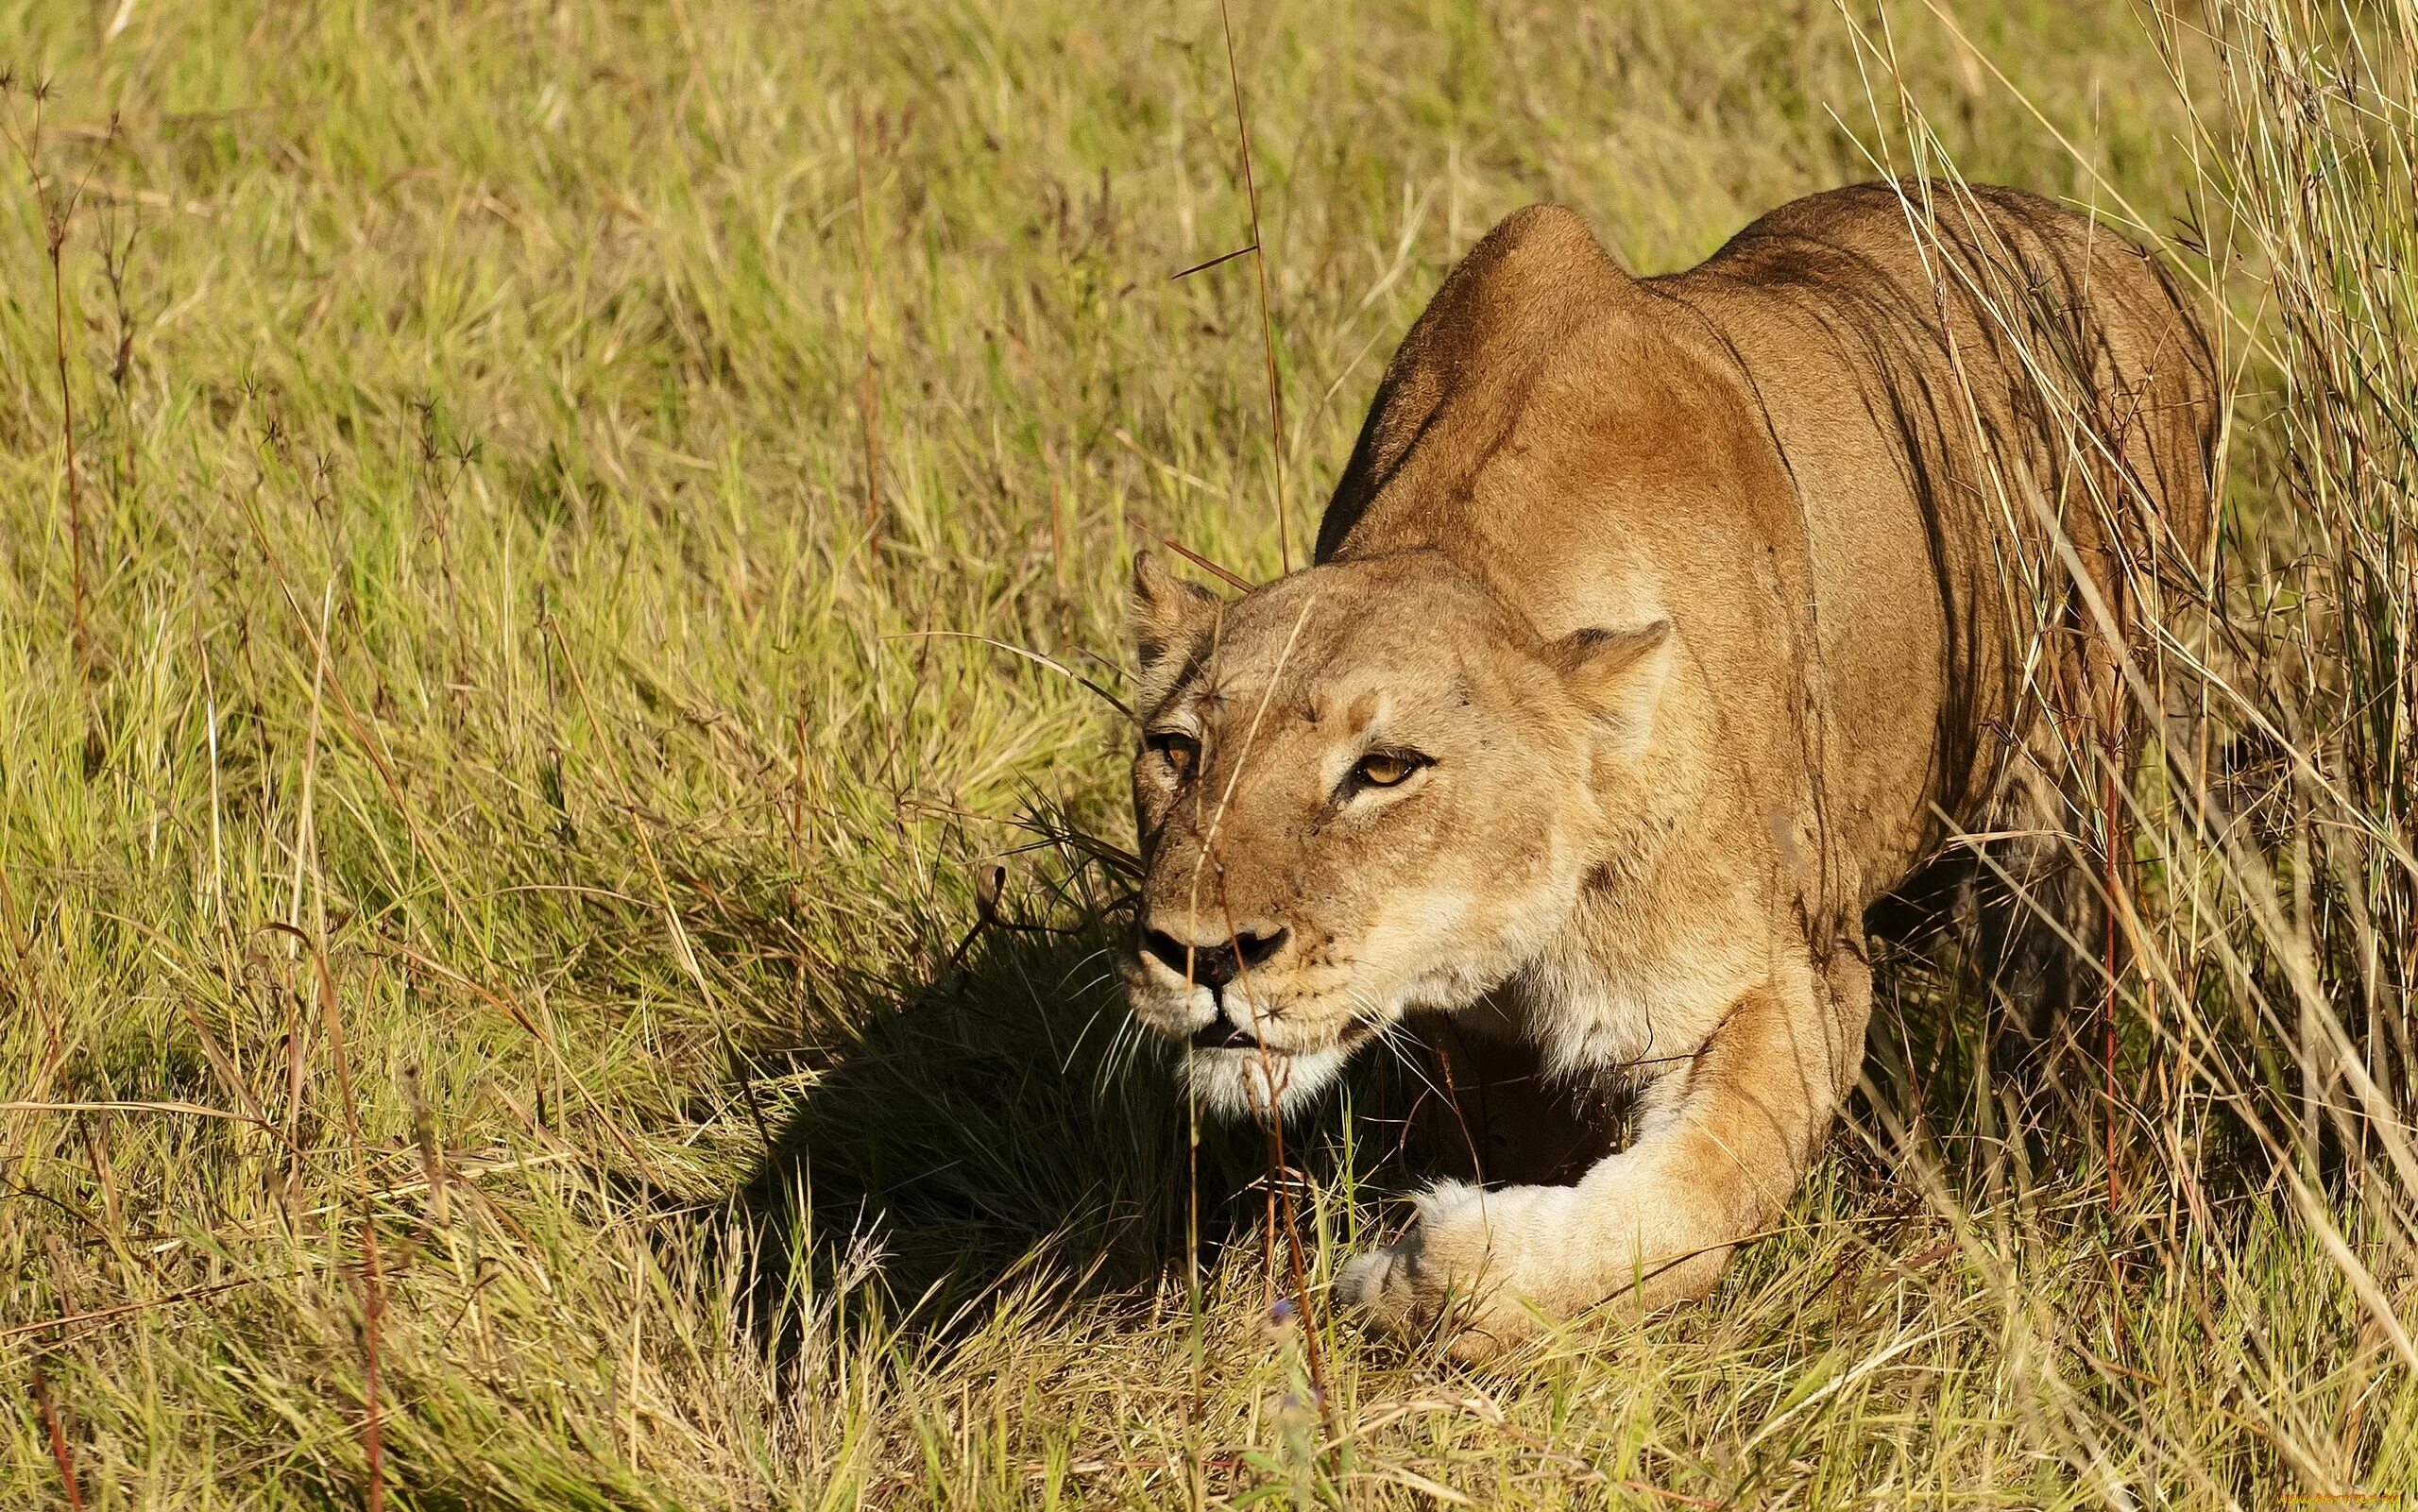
x=1362, y=789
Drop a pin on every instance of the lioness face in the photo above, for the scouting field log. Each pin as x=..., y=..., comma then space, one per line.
x=1363, y=789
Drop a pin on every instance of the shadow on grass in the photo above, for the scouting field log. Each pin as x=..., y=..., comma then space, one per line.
x=1004, y=1123
x=1001, y=1124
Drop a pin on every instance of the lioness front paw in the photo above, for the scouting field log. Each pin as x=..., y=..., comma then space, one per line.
x=1445, y=1276
x=1376, y=1285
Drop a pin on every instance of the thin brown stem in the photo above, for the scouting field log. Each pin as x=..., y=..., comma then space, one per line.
x=59, y=1450
x=2117, y=845
x=29, y=146
x=373, y=1294
x=58, y=239
x=1231, y=579
x=372, y=1286
x=868, y=391
x=1280, y=1176
x=1280, y=1188
x=1198, y=1483
x=1267, y=315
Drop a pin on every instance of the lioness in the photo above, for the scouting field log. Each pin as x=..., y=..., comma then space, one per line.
x=1659, y=629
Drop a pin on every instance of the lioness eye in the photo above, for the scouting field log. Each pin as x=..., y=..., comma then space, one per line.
x=1386, y=769
x=1181, y=752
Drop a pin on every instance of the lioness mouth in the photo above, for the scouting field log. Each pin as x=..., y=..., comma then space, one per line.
x=1222, y=1033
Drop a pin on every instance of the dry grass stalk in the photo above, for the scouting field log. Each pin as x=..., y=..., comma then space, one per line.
x=618, y=774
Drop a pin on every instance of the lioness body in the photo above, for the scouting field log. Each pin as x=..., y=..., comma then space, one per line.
x=1698, y=612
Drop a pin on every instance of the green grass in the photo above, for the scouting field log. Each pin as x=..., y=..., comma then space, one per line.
x=534, y=467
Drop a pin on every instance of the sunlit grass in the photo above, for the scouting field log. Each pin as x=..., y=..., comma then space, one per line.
x=521, y=483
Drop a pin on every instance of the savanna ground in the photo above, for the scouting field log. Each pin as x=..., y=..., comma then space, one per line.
x=541, y=967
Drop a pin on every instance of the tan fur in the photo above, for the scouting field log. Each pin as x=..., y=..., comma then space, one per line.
x=1711, y=600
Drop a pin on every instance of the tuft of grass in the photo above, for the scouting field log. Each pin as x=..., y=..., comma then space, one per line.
x=549, y=957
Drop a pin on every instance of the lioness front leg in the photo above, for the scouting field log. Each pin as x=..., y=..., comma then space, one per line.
x=1723, y=1141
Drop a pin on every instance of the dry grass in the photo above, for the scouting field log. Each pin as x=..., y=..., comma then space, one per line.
x=486, y=752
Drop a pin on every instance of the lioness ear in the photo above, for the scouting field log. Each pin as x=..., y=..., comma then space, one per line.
x=1170, y=618
x=1618, y=674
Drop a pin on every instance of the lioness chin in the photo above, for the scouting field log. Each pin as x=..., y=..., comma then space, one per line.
x=1659, y=629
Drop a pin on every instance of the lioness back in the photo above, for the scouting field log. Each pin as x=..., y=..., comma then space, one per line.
x=2011, y=373
x=1842, y=446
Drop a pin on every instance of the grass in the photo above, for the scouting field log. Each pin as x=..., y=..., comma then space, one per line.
x=544, y=969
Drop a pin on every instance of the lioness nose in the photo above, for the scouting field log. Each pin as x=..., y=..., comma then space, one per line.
x=1212, y=965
